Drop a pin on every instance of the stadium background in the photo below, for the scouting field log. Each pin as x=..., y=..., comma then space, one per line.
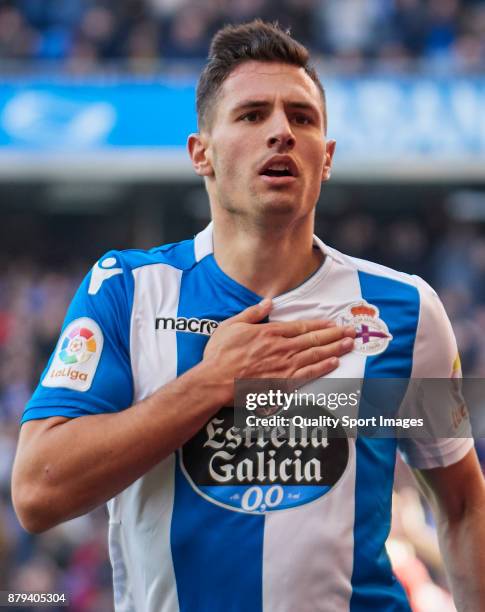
x=96, y=100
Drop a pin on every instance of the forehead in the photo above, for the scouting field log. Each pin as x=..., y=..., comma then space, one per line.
x=267, y=80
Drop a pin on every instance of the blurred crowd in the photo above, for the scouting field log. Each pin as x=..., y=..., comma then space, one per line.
x=73, y=557
x=146, y=35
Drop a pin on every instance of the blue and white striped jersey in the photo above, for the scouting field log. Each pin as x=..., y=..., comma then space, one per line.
x=201, y=531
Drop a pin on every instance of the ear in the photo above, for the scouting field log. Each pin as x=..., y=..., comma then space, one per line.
x=197, y=147
x=329, y=152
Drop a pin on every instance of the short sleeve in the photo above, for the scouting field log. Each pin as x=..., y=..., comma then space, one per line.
x=442, y=405
x=89, y=371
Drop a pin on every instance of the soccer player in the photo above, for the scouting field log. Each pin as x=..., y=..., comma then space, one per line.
x=130, y=409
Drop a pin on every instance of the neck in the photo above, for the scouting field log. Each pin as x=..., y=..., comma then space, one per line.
x=267, y=260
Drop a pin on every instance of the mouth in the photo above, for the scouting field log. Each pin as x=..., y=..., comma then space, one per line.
x=279, y=170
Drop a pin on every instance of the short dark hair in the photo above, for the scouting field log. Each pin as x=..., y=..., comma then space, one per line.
x=236, y=44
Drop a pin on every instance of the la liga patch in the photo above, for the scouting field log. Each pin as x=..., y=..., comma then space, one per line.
x=372, y=337
x=77, y=356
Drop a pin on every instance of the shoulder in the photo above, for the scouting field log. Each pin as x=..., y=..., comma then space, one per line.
x=121, y=265
x=387, y=279
x=364, y=266
x=434, y=347
x=179, y=255
x=404, y=297
x=413, y=312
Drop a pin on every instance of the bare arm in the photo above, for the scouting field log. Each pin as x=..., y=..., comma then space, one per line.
x=65, y=467
x=457, y=494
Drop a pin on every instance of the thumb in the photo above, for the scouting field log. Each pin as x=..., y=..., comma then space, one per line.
x=253, y=314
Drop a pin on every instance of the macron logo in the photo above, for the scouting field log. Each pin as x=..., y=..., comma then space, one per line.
x=195, y=326
x=101, y=271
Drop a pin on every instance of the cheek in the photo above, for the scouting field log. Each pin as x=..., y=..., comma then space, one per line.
x=223, y=153
x=232, y=161
x=317, y=160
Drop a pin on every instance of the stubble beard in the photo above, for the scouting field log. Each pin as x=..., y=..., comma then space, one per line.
x=255, y=208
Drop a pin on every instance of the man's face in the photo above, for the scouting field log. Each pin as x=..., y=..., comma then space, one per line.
x=265, y=152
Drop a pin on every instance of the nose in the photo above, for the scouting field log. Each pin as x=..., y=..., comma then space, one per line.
x=280, y=136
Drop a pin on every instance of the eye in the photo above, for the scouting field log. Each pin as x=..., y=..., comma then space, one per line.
x=302, y=119
x=251, y=117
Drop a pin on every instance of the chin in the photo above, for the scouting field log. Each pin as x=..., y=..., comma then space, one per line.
x=277, y=214
x=280, y=206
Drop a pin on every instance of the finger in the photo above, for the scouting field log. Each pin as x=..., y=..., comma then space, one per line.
x=320, y=337
x=253, y=314
x=317, y=370
x=290, y=329
x=321, y=353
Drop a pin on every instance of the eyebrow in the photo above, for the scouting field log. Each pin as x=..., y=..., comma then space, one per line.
x=248, y=104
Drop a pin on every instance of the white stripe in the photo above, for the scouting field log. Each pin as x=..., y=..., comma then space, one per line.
x=144, y=510
x=308, y=558
x=316, y=550
x=203, y=243
x=153, y=356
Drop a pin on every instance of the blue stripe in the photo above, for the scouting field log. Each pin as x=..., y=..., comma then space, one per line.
x=217, y=553
x=374, y=586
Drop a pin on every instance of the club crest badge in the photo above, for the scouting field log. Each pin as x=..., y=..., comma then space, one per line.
x=373, y=335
